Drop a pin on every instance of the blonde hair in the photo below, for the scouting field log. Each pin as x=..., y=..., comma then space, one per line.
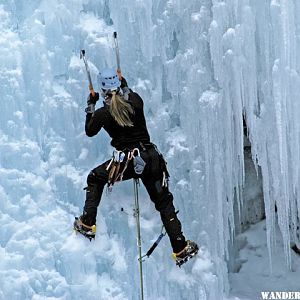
x=121, y=110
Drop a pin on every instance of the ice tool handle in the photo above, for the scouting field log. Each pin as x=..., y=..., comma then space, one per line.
x=117, y=55
x=82, y=56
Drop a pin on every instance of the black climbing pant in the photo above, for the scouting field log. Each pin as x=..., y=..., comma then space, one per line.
x=152, y=178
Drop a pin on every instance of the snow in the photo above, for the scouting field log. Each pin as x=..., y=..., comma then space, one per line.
x=254, y=266
x=199, y=66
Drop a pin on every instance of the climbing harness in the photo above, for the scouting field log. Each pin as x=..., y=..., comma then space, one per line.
x=119, y=163
x=114, y=167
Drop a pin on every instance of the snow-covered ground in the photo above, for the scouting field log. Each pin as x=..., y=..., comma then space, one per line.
x=253, y=276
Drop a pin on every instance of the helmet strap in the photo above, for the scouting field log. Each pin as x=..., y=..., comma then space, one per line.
x=108, y=96
x=108, y=93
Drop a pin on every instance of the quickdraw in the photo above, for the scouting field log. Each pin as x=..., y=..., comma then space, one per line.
x=155, y=244
x=114, y=166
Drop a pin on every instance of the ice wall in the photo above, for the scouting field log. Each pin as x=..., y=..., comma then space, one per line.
x=263, y=45
x=199, y=65
x=45, y=158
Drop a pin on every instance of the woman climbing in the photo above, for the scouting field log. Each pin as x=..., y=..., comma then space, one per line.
x=122, y=116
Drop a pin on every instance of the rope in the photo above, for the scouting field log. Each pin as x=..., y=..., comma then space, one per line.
x=139, y=242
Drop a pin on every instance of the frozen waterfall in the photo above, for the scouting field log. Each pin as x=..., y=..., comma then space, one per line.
x=202, y=67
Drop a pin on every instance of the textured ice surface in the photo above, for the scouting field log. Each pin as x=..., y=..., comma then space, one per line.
x=253, y=276
x=199, y=65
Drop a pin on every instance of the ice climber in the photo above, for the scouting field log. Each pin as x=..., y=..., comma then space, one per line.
x=122, y=116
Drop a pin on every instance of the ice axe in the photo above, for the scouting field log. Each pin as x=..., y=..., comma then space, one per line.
x=117, y=55
x=82, y=56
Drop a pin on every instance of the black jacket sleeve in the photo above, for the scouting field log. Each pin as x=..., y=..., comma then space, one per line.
x=136, y=100
x=94, y=122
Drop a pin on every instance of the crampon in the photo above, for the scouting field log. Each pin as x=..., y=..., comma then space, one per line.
x=87, y=231
x=190, y=250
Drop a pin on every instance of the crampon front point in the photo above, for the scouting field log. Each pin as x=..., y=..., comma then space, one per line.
x=186, y=254
x=87, y=231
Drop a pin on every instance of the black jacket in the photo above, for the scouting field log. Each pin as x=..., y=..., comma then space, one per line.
x=122, y=137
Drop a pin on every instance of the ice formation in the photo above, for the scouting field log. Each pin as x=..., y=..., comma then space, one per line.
x=199, y=66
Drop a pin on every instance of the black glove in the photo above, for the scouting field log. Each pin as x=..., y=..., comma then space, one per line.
x=90, y=109
x=92, y=99
x=91, y=102
x=123, y=83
